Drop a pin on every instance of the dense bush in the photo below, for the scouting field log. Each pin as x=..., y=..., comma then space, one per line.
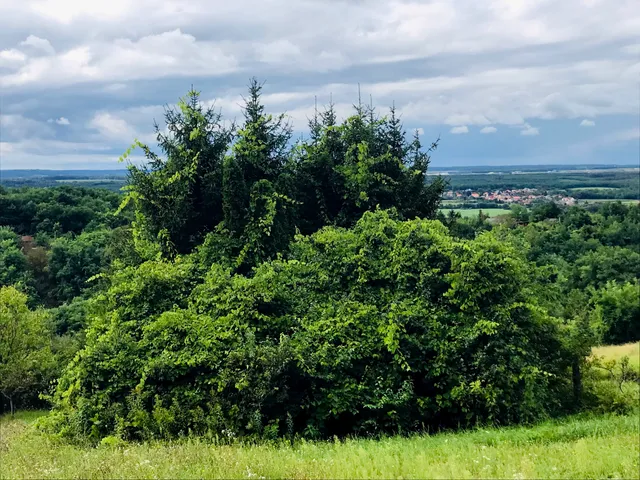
x=27, y=363
x=389, y=326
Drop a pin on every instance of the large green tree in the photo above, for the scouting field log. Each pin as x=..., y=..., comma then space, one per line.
x=253, y=187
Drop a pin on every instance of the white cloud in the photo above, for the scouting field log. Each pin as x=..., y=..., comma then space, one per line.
x=172, y=53
x=587, y=123
x=112, y=127
x=38, y=43
x=489, y=130
x=123, y=126
x=16, y=127
x=460, y=129
x=460, y=62
x=528, y=130
x=11, y=58
x=63, y=121
x=420, y=131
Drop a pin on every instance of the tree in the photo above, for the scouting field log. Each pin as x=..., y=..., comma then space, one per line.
x=26, y=359
x=257, y=188
x=14, y=266
x=180, y=196
x=73, y=260
x=544, y=211
x=619, y=305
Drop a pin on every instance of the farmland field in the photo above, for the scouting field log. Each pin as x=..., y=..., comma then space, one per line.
x=576, y=447
x=578, y=189
x=473, y=212
x=600, y=200
x=616, y=352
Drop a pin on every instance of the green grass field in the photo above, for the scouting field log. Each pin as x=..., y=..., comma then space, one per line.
x=600, y=200
x=616, y=352
x=576, y=447
x=578, y=189
x=473, y=212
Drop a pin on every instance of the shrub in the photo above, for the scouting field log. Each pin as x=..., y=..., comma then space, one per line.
x=388, y=326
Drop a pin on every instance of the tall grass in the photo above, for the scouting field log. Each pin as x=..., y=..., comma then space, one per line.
x=616, y=352
x=576, y=447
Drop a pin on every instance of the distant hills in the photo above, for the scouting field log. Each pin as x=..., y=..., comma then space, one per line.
x=120, y=173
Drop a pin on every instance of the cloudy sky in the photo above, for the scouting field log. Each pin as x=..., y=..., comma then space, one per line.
x=501, y=81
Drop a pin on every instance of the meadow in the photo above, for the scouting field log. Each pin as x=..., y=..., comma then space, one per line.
x=601, y=200
x=473, y=212
x=579, y=446
x=574, y=447
x=616, y=352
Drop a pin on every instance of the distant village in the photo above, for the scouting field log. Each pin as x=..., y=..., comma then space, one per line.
x=522, y=196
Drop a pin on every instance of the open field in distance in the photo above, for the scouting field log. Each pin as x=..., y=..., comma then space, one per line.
x=473, y=212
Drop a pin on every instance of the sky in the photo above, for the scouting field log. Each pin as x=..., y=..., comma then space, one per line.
x=502, y=82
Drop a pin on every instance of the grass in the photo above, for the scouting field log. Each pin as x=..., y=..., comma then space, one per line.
x=599, y=200
x=578, y=189
x=616, y=352
x=575, y=447
x=473, y=212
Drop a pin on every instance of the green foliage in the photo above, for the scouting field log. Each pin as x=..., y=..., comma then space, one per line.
x=619, y=306
x=57, y=210
x=26, y=359
x=180, y=196
x=257, y=187
x=73, y=261
x=611, y=385
x=389, y=326
x=14, y=266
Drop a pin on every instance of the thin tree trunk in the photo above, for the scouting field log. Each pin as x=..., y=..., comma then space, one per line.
x=11, y=405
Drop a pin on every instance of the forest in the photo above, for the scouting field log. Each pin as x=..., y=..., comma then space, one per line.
x=248, y=285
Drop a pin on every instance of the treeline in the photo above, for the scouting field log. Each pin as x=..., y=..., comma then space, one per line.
x=262, y=288
x=609, y=184
x=591, y=260
x=54, y=239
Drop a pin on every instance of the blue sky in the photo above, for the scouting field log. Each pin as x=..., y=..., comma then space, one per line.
x=501, y=81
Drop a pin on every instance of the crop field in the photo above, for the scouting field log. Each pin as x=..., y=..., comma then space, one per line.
x=473, y=212
x=600, y=200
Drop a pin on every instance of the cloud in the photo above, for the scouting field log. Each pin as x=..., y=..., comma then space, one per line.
x=460, y=129
x=444, y=62
x=587, y=123
x=111, y=127
x=528, y=130
x=38, y=43
x=15, y=127
x=172, y=53
x=606, y=141
x=11, y=58
x=60, y=121
x=489, y=130
x=6, y=147
x=419, y=131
